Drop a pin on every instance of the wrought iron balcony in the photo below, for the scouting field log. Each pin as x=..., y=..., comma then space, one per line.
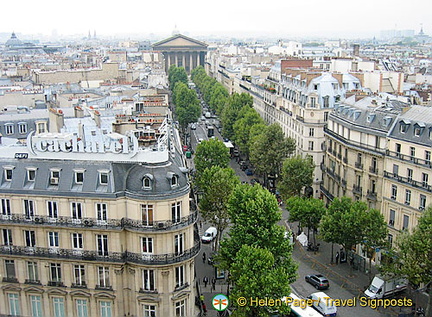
x=357, y=189
x=9, y=280
x=409, y=158
x=373, y=169
x=409, y=181
x=371, y=195
x=116, y=257
x=113, y=224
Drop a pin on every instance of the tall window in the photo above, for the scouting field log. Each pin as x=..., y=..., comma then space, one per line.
x=102, y=244
x=425, y=179
x=103, y=178
x=103, y=275
x=81, y=307
x=409, y=174
x=55, y=176
x=412, y=152
x=76, y=211
x=29, y=238
x=405, y=222
x=311, y=132
x=101, y=212
x=147, y=215
x=79, y=275
x=105, y=308
x=31, y=174
x=407, y=197
x=32, y=272
x=58, y=307
x=395, y=170
x=14, y=306
x=147, y=245
x=176, y=212
x=180, y=308
x=5, y=207
x=7, y=237
x=79, y=177
x=393, y=192
x=36, y=305
x=398, y=148
x=29, y=209
x=392, y=217
x=428, y=157
x=180, y=276
x=55, y=270
x=311, y=146
x=53, y=239
x=77, y=240
x=9, y=129
x=149, y=310
x=10, y=269
x=179, y=243
x=148, y=280
x=52, y=209
x=422, y=205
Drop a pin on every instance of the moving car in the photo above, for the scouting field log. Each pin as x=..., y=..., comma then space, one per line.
x=323, y=303
x=318, y=281
x=209, y=235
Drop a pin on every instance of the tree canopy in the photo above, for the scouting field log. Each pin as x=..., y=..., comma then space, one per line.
x=211, y=153
x=177, y=74
x=297, y=173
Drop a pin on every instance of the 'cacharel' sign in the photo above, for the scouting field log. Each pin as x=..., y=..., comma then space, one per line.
x=123, y=145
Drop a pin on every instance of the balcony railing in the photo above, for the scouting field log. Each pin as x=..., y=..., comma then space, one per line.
x=371, y=195
x=373, y=169
x=357, y=189
x=116, y=257
x=409, y=158
x=113, y=224
x=358, y=165
x=326, y=192
x=409, y=181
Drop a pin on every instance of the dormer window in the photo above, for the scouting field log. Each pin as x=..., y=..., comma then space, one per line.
x=173, y=179
x=404, y=125
x=147, y=181
x=9, y=128
x=79, y=176
x=31, y=174
x=103, y=177
x=8, y=173
x=54, y=176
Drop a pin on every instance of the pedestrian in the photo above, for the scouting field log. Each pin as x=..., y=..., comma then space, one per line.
x=200, y=224
x=204, y=257
x=205, y=281
x=337, y=258
x=204, y=308
x=213, y=281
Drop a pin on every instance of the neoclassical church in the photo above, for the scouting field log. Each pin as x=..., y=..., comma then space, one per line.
x=182, y=51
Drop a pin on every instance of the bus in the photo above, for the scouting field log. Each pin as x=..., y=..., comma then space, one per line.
x=210, y=131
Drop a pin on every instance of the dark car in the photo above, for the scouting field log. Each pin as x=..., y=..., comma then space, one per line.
x=318, y=281
x=249, y=172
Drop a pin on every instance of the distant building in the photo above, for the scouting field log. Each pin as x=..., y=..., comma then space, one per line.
x=182, y=51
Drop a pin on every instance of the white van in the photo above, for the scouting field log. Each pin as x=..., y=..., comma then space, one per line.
x=209, y=235
x=323, y=303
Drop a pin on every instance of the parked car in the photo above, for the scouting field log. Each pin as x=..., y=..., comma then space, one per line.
x=255, y=181
x=318, y=281
x=249, y=172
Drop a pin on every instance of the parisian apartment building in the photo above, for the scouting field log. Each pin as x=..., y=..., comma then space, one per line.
x=95, y=215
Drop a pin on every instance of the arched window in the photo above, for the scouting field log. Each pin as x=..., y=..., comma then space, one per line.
x=147, y=181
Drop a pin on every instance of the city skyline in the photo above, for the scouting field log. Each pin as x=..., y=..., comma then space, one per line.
x=311, y=18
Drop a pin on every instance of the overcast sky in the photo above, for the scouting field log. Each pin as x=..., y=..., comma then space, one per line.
x=331, y=18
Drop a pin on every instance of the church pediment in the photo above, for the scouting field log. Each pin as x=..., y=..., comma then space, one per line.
x=179, y=41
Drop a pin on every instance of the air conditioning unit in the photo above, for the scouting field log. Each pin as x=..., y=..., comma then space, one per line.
x=54, y=181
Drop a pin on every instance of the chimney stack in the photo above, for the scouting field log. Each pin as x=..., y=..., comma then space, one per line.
x=56, y=120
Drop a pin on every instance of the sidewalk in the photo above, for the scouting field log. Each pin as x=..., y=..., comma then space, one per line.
x=354, y=281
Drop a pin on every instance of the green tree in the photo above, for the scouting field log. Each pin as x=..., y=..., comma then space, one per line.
x=344, y=223
x=307, y=211
x=231, y=111
x=177, y=74
x=211, y=153
x=218, y=98
x=297, y=173
x=269, y=149
x=412, y=256
x=257, y=275
x=376, y=233
x=187, y=107
x=254, y=214
x=216, y=184
x=243, y=126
